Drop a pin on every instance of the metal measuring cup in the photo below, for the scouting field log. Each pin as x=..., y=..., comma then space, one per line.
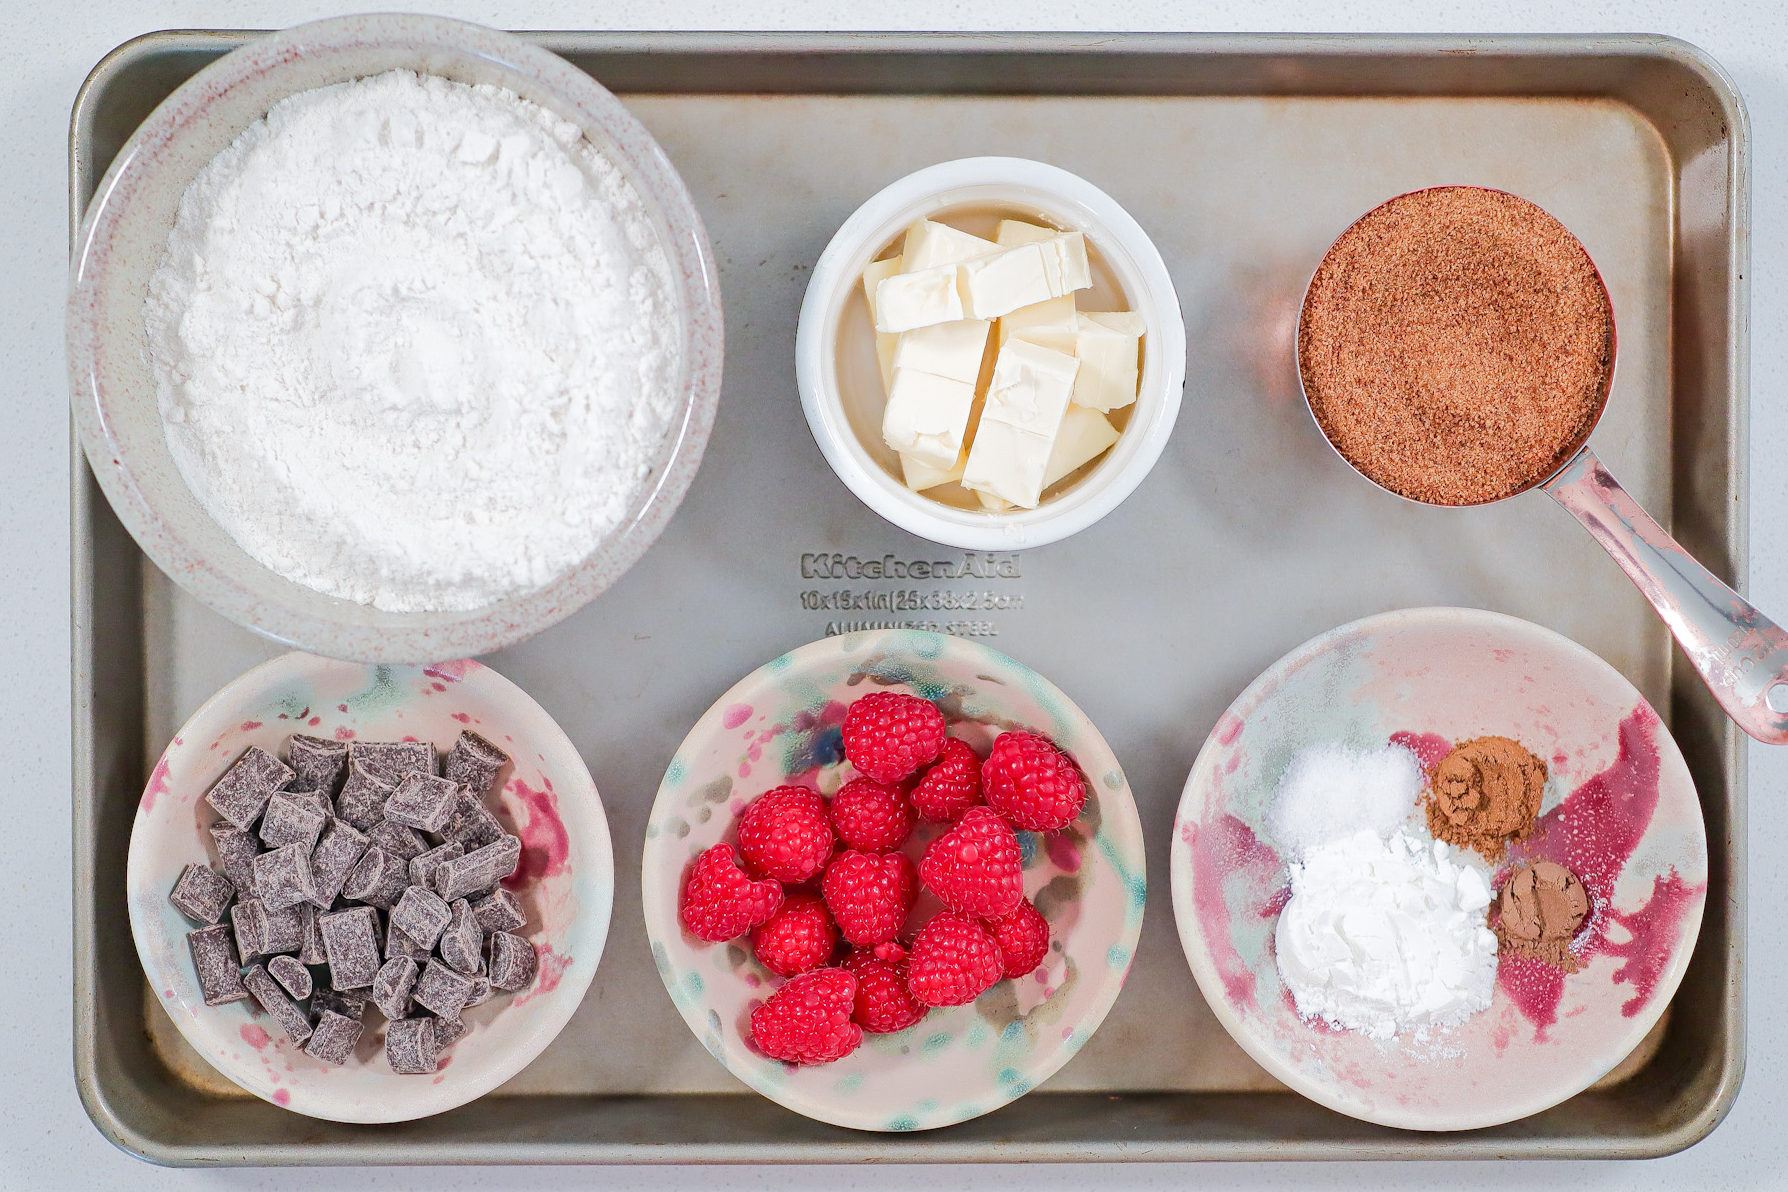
x=1739, y=653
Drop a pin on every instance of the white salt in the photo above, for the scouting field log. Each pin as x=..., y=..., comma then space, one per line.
x=1332, y=790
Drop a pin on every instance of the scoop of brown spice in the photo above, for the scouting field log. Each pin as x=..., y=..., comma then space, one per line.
x=1539, y=911
x=1485, y=793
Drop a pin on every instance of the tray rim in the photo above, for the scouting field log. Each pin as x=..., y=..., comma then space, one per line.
x=1400, y=1145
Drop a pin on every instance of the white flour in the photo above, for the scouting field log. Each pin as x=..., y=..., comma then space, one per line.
x=1387, y=936
x=415, y=343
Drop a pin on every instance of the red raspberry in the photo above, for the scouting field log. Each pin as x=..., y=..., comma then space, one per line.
x=954, y=961
x=1023, y=939
x=869, y=894
x=720, y=901
x=785, y=834
x=796, y=938
x=888, y=735
x=1032, y=783
x=951, y=786
x=871, y=816
x=975, y=866
x=808, y=1020
x=884, y=1003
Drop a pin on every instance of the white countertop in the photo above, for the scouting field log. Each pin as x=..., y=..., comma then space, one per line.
x=46, y=1140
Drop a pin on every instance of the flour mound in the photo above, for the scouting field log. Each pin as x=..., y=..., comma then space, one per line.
x=415, y=343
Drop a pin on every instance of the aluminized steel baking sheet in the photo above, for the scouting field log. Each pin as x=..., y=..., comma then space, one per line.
x=1242, y=157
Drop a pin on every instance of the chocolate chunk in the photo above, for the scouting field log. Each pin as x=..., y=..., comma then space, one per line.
x=399, y=944
x=423, y=866
x=362, y=798
x=473, y=762
x=421, y=915
x=462, y=941
x=334, y=1038
x=499, y=911
x=391, y=987
x=481, y=992
x=245, y=787
x=291, y=974
x=201, y=894
x=284, y=928
x=236, y=852
x=318, y=763
x=410, y=1046
x=310, y=942
x=214, y=960
x=261, y=931
x=449, y=1031
x=478, y=870
x=400, y=840
x=472, y=824
x=291, y=819
x=349, y=1005
x=351, y=940
x=334, y=859
x=379, y=879
x=288, y=1014
x=393, y=761
x=442, y=991
x=422, y=801
x=512, y=961
x=317, y=799
x=283, y=877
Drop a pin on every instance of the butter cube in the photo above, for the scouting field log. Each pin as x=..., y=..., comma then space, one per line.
x=1052, y=324
x=1030, y=389
x=929, y=244
x=927, y=417
x=1108, y=344
x=909, y=300
x=1083, y=435
x=920, y=475
x=992, y=503
x=1064, y=260
x=1000, y=284
x=951, y=350
x=1007, y=462
x=1015, y=231
x=884, y=341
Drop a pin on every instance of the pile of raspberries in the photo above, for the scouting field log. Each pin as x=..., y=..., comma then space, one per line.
x=812, y=878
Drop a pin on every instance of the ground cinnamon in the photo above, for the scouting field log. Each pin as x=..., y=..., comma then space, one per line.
x=1456, y=345
x=1484, y=794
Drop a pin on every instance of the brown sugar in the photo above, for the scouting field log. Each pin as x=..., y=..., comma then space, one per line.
x=1484, y=794
x=1538, y=913
x=1456, y=345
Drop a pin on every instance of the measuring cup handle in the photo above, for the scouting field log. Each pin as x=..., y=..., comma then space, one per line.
x=1739, y=653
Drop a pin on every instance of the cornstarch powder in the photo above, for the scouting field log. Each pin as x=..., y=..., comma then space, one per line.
x=414, y=343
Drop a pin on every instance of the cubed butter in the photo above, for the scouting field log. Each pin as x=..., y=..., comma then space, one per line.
x=1108, y=345
x=929, y=244
x=884, y=341
x=1025, y=274
x=909, y=300
x=1065, y=263
x=920, y=475
x=992, y=503
x=1017, y=231
x=951, y=350
x=1007, y=462
x=1052, y=324
x=1084, y=434
x=927, y=417
x=1030, y=389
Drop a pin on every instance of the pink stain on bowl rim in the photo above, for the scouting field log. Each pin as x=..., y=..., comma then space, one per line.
x=282, y=1097
x=545, y=843
x=254, y=1036
x=1222, y=849
x=158, y=783
x=735, y=716
x=450, y=672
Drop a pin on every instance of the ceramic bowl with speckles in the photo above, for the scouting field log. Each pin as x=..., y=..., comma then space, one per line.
x=545, y=796
x=781, y=724
x=123, y=239
x=1619, y=810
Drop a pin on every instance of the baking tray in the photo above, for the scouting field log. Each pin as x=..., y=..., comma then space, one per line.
x=1243, y=156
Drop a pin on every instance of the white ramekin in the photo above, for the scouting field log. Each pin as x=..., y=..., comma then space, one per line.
x=1067, y=201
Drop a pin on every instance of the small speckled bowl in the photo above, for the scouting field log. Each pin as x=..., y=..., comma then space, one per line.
x=781, y=723
x=566, y=880
x=124, y=237
x=1620, y=811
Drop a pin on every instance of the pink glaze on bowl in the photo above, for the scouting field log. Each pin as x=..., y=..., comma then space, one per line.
x=565, y=880
x=1620, y=811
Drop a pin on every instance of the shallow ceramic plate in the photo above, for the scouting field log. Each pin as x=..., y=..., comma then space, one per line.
x=1620, y=811
x=781, y=724
x=125, y=235
x=566, y=880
